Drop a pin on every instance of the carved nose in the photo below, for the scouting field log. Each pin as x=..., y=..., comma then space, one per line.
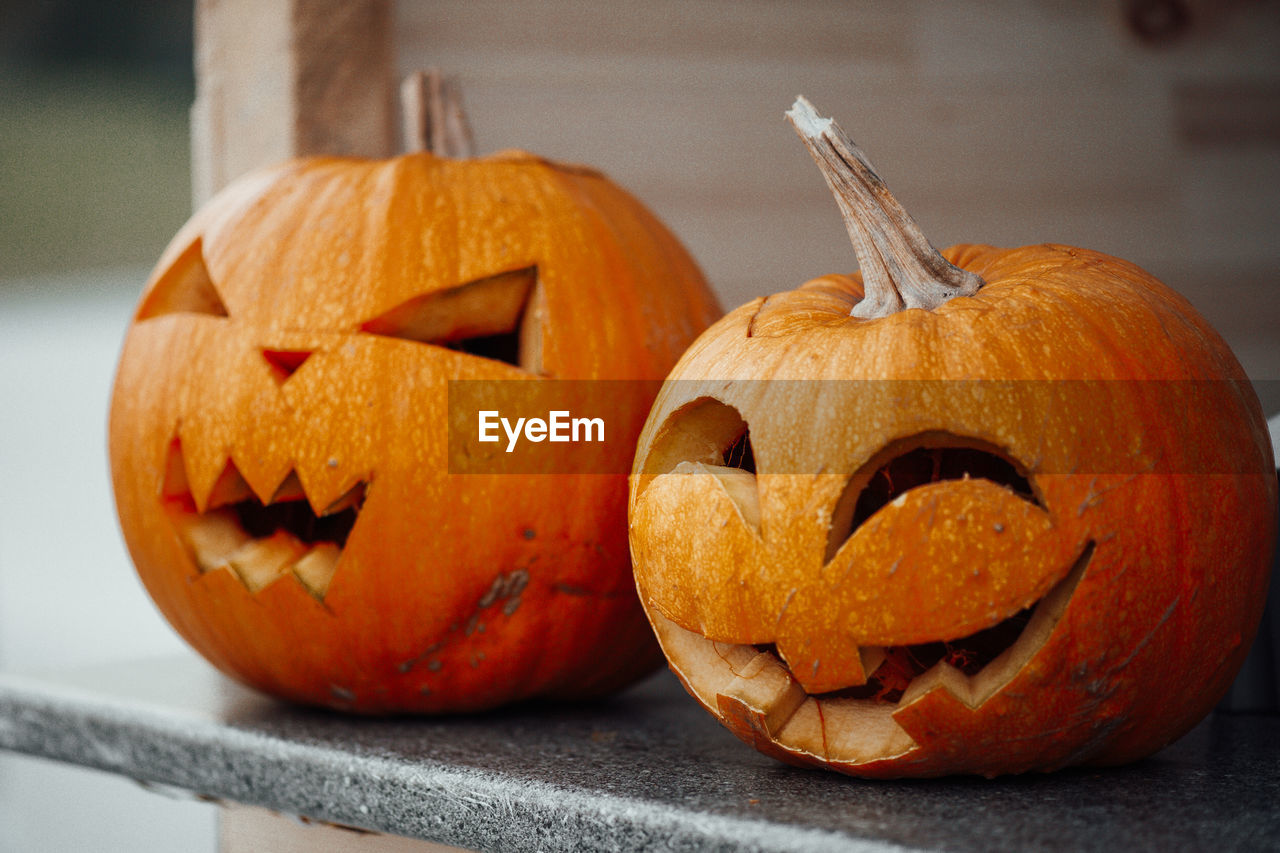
x=285, y=362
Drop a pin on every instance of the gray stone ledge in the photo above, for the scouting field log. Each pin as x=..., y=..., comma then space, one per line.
x=646, y=770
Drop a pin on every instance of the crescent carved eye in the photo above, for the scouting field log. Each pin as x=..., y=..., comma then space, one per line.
x=186, y=287
x=496, y=317
x=917, y=461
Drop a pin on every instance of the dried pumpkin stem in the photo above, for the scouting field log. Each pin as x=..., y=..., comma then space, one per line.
x=900, y=268
x=433, y=117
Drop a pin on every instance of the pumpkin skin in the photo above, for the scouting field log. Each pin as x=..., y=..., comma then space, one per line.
x=279, y=356
x=1144, y=550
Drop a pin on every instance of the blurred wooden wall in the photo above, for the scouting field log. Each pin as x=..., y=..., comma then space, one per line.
x=1000, y=122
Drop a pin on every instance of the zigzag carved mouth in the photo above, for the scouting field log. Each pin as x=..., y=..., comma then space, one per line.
x=261, y=543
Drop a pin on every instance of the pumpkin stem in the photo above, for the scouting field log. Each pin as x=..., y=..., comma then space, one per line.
x=434, y=120
x=900, y=268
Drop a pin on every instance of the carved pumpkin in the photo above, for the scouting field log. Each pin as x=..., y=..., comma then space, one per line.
x=278, y=431
x=1021, y=524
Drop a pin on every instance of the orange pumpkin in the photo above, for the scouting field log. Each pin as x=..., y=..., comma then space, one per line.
x=278, y=430
x=987, y=512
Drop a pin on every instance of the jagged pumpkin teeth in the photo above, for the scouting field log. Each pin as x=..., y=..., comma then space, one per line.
x=229, y=488
x=260, y=562
x=212, y=537
x=871, y=658
x=289, y=490
x=316, y=568
x=352, y=498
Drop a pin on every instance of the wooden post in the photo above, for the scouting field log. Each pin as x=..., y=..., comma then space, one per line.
x=284, y=78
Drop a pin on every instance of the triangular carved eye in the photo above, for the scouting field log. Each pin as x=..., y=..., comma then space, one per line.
x=494, y=317
x=186, y=287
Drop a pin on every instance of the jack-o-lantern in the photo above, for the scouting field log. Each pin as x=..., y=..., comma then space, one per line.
x=988, y=511
x=278, y=431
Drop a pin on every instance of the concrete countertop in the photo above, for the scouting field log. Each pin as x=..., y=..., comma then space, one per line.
x=647, y=769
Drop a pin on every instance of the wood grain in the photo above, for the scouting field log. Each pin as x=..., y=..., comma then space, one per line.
x=1008, y=123
x=281, y=78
